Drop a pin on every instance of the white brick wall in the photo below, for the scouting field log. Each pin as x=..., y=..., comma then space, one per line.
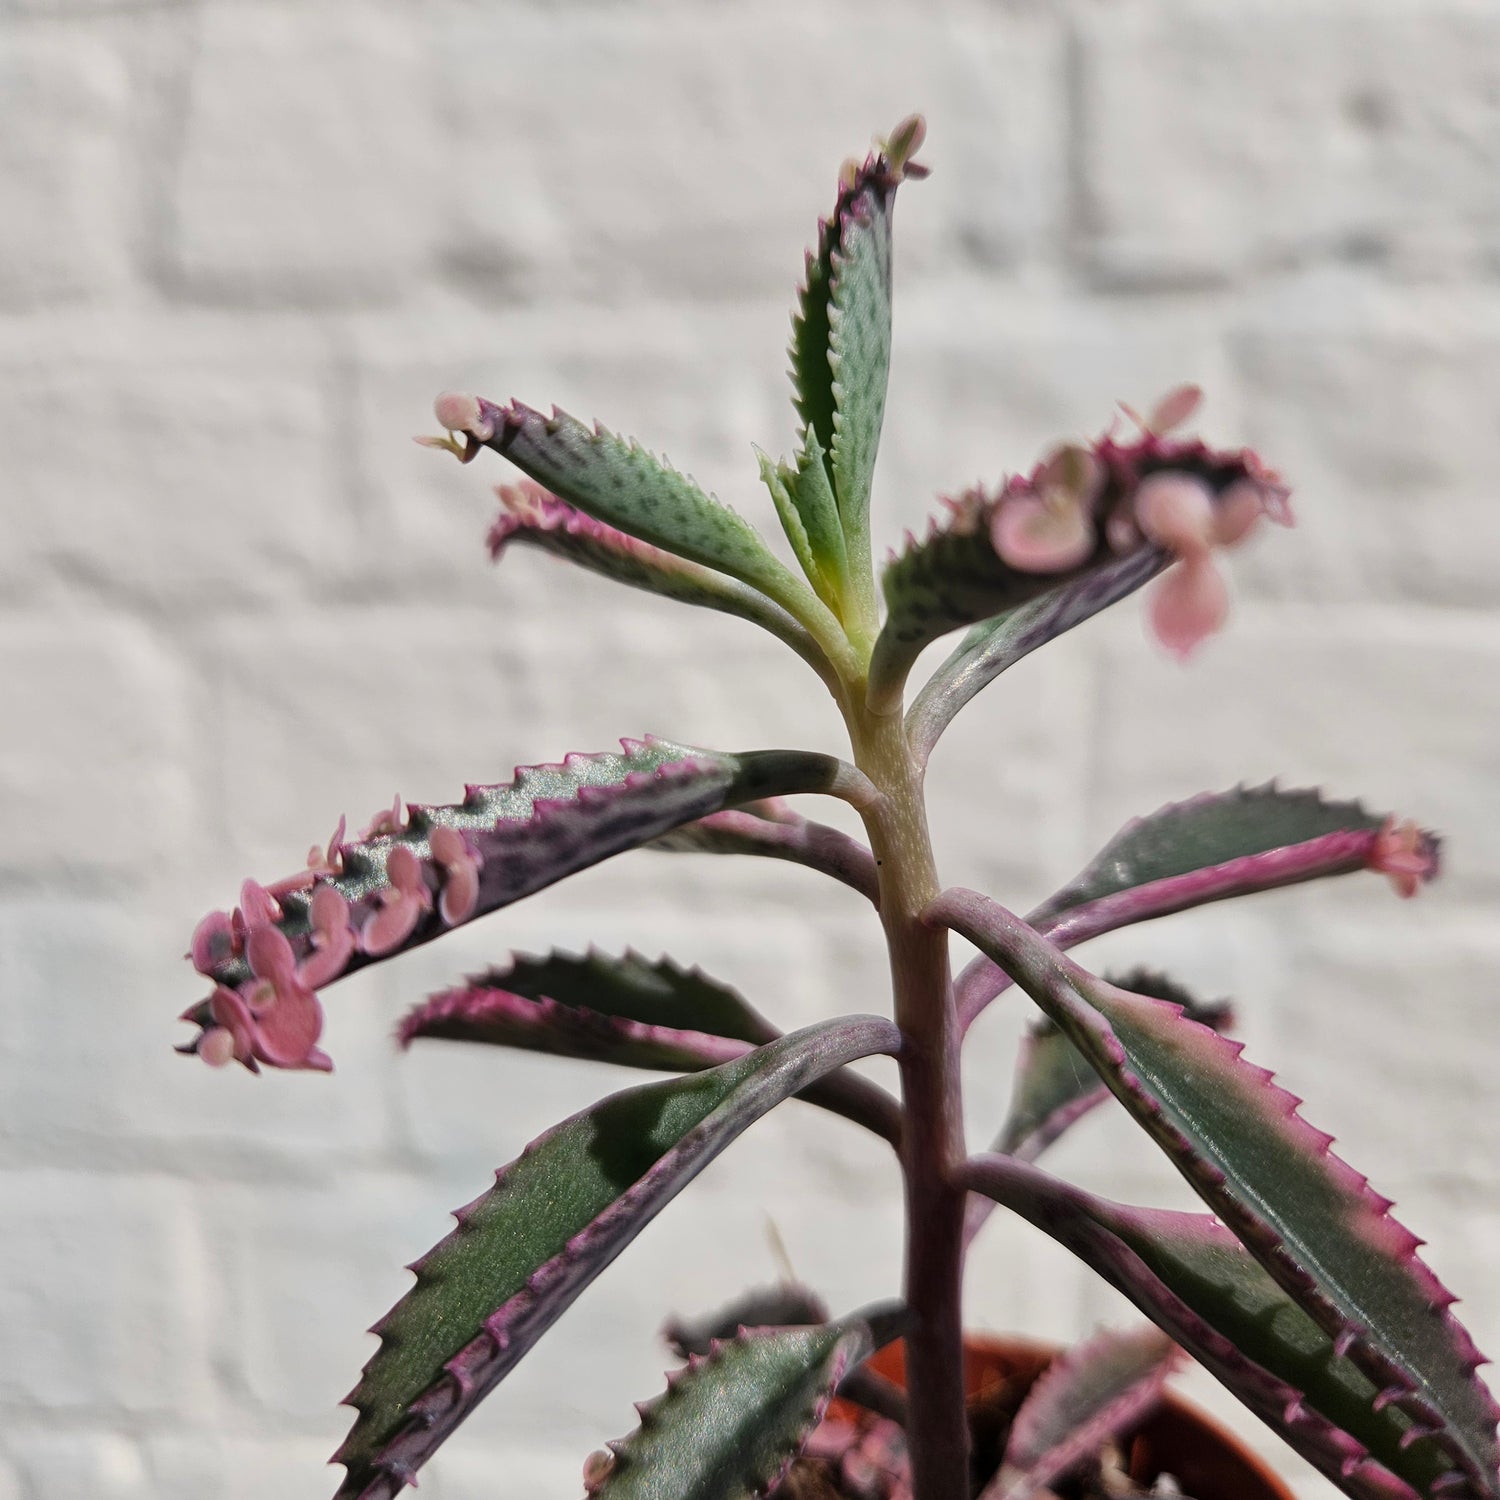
x=241, y=246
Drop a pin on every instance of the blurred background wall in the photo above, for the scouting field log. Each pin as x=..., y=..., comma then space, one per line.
x=243, y=244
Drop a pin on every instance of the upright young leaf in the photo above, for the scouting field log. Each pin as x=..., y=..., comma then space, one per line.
x=1314, y=1223
x=809, y=515
x=841, y=331
x=406, y=881
x=556, y=1217
x=734, y=1419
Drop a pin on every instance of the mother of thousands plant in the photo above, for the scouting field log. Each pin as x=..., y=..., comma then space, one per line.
x=1297, y=1288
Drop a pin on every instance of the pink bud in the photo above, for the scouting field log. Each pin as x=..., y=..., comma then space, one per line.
x=460, y=412
x=1399, y=852
x=216, y=1046
x=461, y=867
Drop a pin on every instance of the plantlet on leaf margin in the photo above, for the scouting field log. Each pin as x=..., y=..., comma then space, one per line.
x=1298, y=1289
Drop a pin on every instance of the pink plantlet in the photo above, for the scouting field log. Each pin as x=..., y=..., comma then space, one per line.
x=1169, y=413
x=1188, y=605
x=1403, y=852
x=332, y=938
x=460, y=865
x=1176, y=408
x=214, y=940
x=399, y=906
x=1048, y=533
x=388, y=821
x=258, y=907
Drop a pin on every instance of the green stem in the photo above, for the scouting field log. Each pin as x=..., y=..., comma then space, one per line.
x=933, y=1145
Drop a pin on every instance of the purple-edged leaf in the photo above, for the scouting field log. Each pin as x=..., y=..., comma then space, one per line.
x=406, y=881
x=618, y=482
x=731, y=1422
x=956, y=577
x=1215, y=847
x=1055, y=1085
x=784, y=1305
x=624, y=1010
x=1089, y=1395
x=533, y=517
x=994, y=646
x=1222, y=828
x=1236, y=1136
x=632, y=1013
x=787, y=1304
x=1195, y=1280
x=556, y=1217
x=776, y=832
x=841, y=330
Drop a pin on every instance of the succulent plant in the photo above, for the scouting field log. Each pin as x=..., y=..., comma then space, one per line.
x=1296, y=1287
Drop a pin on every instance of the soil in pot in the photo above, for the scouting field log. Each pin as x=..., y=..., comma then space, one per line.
x=855, y=1455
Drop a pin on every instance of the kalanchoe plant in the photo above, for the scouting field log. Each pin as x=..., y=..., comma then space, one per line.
x=1296, y=1288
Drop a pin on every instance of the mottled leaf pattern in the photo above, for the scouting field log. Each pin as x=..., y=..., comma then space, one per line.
x=555, y=1218
x=730, y=1423
x=1314, y=1223
x=1090, y=1394
x=1212, y=829
x=1196, y=1281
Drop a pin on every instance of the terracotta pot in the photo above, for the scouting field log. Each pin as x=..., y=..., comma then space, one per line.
x=1206, y=1461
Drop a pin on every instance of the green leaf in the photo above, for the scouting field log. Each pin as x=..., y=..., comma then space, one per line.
x=779, y=480
x=1055, y=1086
x=809, y=515
x=624, y=486
x=1195, y=1280
x=455, y=863
x=556, y=1217
x=654, y=993
x=1315, y=1224
x=731, y=1422
x=994, y=646
x=1096, y=1391
x=859, y=348
x=533, y=517
x=1208, y=830
x=841, y=335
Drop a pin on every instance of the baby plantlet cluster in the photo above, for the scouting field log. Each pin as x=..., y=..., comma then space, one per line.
x=1295, y=1287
